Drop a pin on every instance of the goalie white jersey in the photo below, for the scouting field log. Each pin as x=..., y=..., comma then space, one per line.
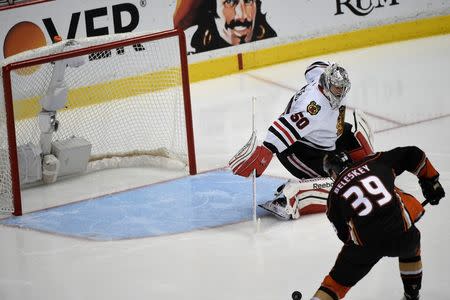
x=308, y=117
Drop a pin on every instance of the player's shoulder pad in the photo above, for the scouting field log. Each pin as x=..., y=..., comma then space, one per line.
x=314, y=70
x=317, y=64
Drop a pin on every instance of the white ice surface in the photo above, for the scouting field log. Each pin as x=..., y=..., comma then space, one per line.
x=405, y=89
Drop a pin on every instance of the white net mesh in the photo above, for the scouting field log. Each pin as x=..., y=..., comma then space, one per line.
x=127, y=102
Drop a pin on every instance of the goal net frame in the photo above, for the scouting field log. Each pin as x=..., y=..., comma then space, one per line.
x=9, y=106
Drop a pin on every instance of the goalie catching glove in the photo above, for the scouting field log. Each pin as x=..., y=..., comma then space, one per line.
x=251, y=158
x=363, y=135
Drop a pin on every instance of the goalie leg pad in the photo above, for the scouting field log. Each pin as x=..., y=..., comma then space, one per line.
x=310, y=196
x=300, y=197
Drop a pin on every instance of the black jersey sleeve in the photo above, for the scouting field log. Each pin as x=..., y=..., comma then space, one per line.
x=336, y=217
x=411, y=159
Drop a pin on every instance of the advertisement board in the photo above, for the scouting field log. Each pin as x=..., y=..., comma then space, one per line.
x=230, y=25
x=33, y=26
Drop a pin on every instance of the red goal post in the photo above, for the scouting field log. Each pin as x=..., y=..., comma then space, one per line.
x=130, y=97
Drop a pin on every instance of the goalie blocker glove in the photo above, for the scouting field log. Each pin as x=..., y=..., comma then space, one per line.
x=432, y=189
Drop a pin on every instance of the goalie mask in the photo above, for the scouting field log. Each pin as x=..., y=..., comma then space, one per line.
x=335, y=163
x=335, y=83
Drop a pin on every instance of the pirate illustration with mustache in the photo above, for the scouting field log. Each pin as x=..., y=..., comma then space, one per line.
x=223, y=23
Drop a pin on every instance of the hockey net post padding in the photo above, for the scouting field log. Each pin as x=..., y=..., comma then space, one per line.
x=130, y=99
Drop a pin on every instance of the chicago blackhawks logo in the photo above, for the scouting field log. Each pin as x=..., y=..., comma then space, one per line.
x=313, y=108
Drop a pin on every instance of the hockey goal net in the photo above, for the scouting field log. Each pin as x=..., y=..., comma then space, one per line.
x=94, y=103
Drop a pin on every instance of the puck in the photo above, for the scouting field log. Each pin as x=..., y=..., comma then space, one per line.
x=296, y=295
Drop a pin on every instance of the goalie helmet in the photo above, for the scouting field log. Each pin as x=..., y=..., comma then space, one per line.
x=335, y=163
x=335, y=83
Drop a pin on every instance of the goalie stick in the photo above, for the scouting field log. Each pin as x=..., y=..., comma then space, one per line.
x=254, y=171
x=245, y=153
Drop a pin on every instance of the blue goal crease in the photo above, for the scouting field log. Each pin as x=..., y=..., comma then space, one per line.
x=190, y=203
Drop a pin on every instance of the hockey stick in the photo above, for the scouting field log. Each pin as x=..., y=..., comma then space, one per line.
x=255, y=221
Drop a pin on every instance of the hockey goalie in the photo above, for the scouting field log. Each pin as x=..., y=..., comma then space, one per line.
x=312, y=125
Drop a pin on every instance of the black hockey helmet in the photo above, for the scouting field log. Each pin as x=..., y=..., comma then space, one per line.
x=336, y=162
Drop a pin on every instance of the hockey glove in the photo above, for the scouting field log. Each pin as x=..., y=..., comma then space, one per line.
x=432, y=189
x=259, y=160
x=359, y=142
x=249, y=158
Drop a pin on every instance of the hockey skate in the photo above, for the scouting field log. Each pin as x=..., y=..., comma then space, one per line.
x=408, y=297
x=277, y=207
x=299, y=197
